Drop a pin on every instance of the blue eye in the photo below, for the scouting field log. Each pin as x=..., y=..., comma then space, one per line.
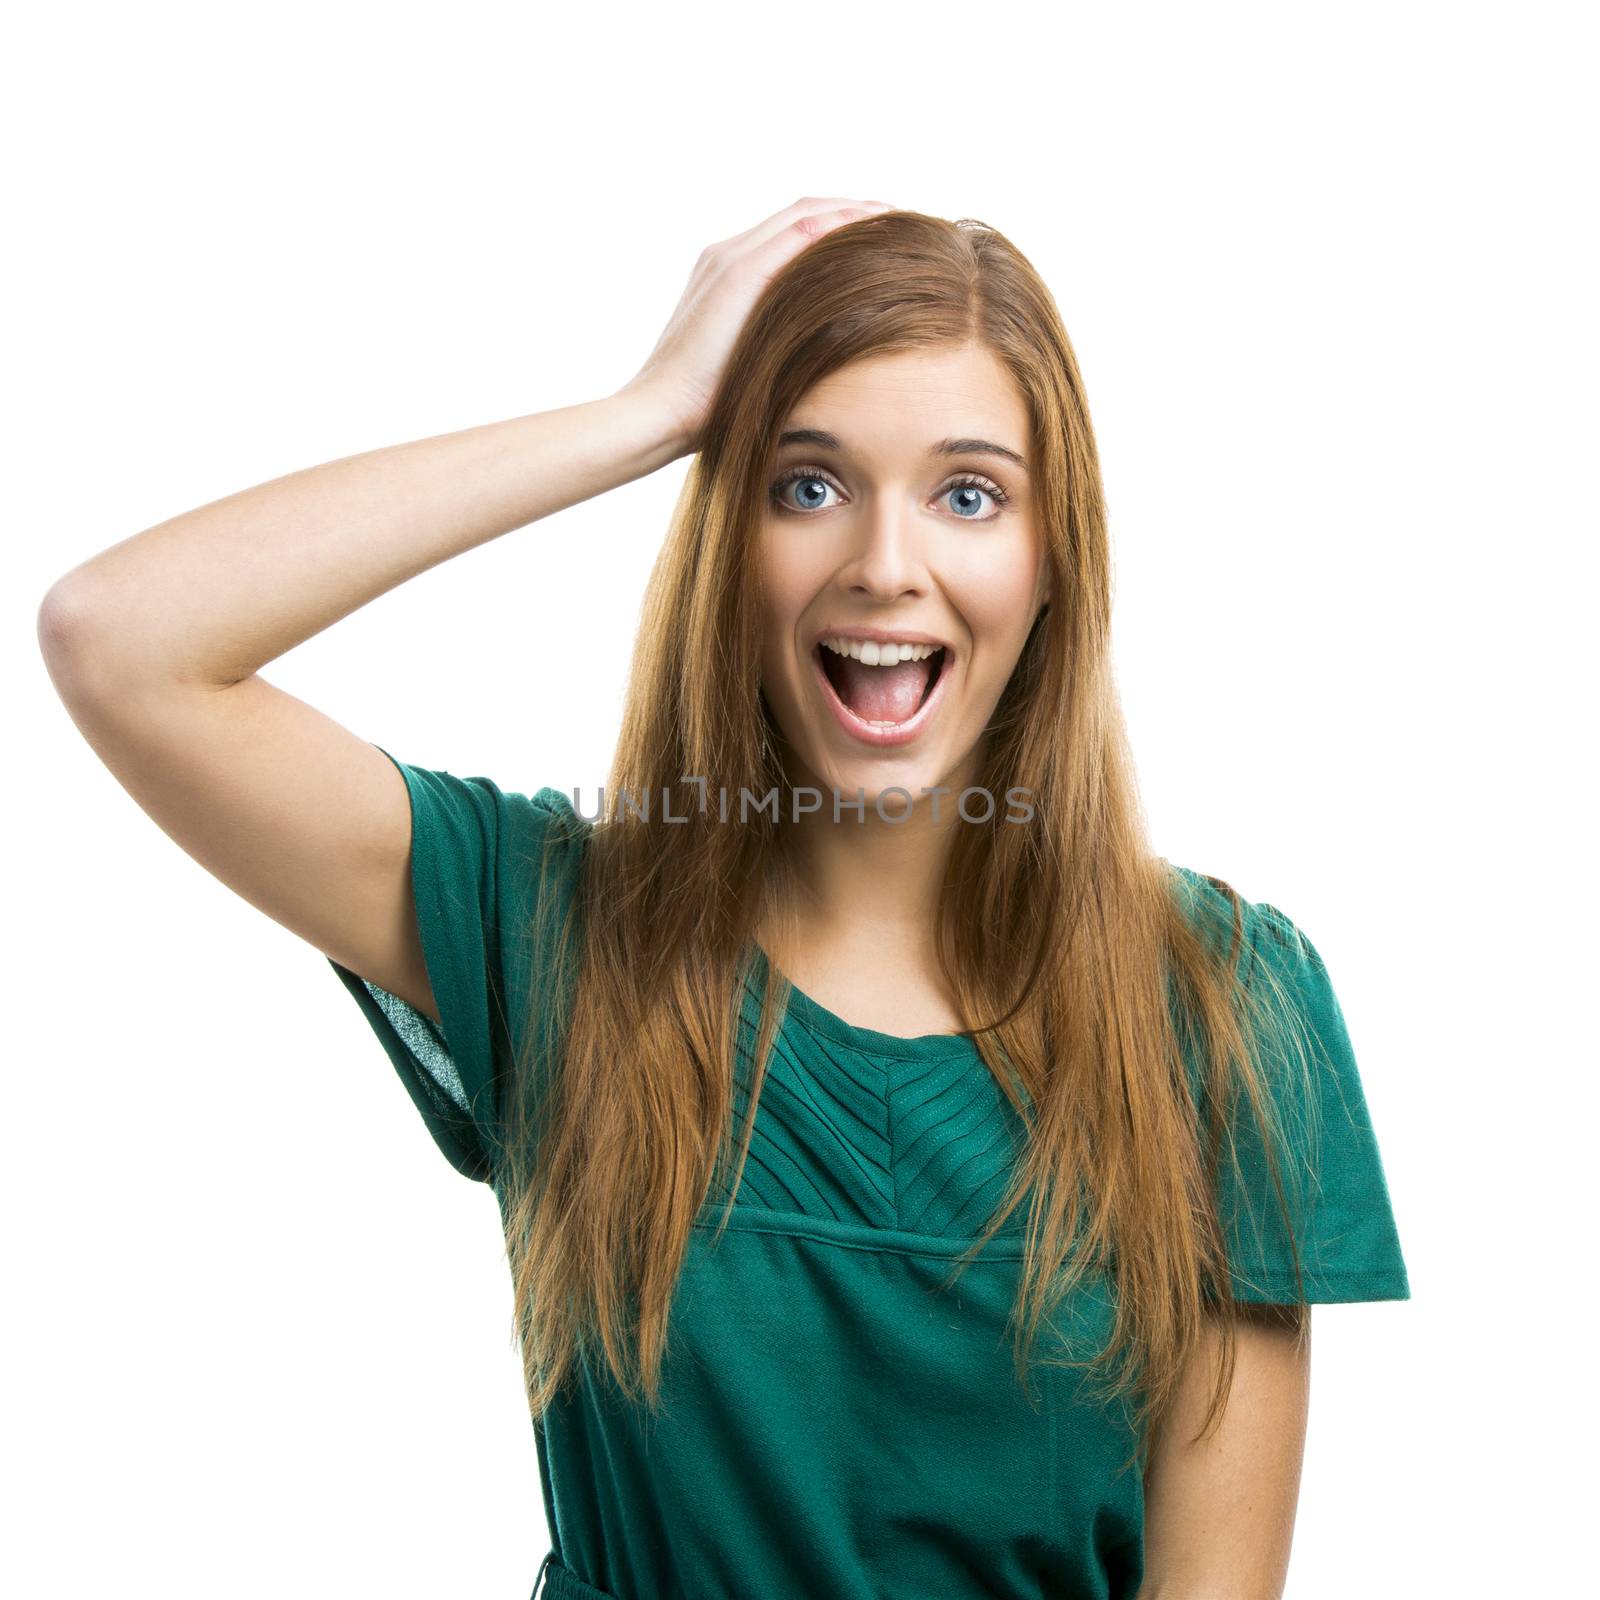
x=971, y=486
x=797, y=475
x=969, y=482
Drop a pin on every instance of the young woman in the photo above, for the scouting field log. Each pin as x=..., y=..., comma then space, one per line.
x=913, y=1185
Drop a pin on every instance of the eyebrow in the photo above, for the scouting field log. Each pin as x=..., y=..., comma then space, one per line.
x=818, y=439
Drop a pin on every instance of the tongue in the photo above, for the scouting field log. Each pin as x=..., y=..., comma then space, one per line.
x=882, y=694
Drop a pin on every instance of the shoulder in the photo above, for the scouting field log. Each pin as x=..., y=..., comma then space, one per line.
x=1302, y=1193
x=1216, y=909
x=504, y=844
x=557, y=814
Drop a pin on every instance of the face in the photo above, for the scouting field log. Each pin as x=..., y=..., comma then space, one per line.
x=881, y=536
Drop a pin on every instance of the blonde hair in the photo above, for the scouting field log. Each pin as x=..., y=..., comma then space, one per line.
x=1102, y=986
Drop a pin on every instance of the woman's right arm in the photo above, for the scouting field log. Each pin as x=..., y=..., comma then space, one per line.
x=155, y=646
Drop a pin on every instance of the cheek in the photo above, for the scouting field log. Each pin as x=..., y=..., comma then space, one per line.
x=776, y=620
x=788, y=585
x=998, y=594
x=787, y=565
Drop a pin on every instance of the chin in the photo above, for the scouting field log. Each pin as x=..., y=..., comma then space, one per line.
x=876, y=779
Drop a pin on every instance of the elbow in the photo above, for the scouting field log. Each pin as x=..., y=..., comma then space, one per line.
x=73, y=637
x=59, y=624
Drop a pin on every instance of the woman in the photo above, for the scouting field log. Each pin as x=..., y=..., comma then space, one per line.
x=860, y=1032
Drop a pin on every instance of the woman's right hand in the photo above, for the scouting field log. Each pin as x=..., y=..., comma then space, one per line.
x=685, y=367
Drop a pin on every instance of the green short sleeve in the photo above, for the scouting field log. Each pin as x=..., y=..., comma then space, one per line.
x=1334, y=1179
x=481, y=857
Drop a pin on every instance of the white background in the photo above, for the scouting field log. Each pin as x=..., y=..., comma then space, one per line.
x=1329, y=277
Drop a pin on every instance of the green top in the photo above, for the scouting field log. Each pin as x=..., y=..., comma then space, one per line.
x=834, y=1423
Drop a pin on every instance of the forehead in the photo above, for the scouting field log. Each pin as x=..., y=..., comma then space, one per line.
x=909, y=398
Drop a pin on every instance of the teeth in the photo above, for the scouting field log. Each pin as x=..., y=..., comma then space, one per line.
x=872, y=654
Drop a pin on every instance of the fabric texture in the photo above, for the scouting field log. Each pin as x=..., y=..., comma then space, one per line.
x=1336, y=1188
x=478, y=857
x=839, y=1420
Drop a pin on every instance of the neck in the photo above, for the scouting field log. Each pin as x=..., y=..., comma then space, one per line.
x=862, y=875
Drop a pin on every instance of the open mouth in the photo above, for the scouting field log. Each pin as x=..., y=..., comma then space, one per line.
x=878, y=702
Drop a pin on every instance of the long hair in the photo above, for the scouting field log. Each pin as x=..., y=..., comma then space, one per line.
x=1110, y=1006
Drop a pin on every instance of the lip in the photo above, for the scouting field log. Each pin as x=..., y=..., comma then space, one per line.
x=882, y=636
x=864, y=732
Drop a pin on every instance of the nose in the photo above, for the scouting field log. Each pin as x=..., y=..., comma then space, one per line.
x=889, y=561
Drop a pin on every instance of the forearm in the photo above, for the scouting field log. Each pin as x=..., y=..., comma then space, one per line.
x=211, y=596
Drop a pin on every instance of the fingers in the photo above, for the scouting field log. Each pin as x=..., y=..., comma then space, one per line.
x=788, y=241
x=810, y=207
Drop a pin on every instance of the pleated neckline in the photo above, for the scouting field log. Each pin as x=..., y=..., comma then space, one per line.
x=816, y=1017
